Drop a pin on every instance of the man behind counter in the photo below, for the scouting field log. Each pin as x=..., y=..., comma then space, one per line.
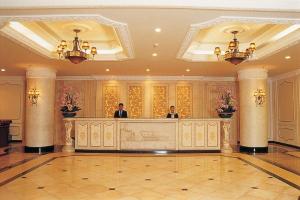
x=120, y=113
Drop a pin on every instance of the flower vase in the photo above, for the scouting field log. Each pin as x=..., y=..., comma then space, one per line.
x=68, y=114
x=225, y=114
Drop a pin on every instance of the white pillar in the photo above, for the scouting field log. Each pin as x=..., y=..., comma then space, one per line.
x=253, y=117
x=39, y=134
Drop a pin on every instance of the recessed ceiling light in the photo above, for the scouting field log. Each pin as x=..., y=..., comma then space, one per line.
x=155, y=45
x=157, y=30
x=3, y=70
x=147, y=70
x=107, y=70
x=287, y=57
x=154, y=54
x=187, y=70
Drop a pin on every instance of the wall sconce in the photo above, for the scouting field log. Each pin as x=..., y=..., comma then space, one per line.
x=33, y=95
x=259, y=97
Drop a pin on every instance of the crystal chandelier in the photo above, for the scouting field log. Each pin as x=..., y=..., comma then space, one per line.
x=77, y=55
x=233, y=54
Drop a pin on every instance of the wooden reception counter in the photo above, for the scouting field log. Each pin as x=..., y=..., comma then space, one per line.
x=144, y=134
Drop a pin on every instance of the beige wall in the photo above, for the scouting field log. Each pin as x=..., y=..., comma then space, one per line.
x=12, y=104
x=286, y=109
x=145, y=99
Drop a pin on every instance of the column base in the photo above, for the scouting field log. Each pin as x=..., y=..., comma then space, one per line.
x=68, y=149
x=39, y=149
x=254, y=149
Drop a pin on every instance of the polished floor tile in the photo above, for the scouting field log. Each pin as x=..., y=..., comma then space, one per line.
x=132, y=177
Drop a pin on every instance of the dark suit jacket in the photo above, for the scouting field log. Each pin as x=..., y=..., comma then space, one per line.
x=124, y=114
x=175, y=115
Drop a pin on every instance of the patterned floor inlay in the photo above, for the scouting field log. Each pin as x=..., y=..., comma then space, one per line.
x=99, y=177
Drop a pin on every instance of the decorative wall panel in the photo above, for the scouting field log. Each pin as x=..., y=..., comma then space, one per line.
x=187, y=134
x=160, y=101
x=199, y=134
x=12, y=105
x=108, y=134
x=135, y=101
x=95, y=136
x=111, y=97
x=184, y=101
x=212, y=134
x=82, y=139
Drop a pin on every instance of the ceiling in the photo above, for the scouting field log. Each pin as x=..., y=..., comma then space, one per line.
x=128, y=32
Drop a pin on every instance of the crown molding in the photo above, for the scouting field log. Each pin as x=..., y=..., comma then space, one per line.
x=286, y=75
x=148, y=78
x=12, y=78
x=195, y=28
x=252, y=73
x=121, y=28
x=39, y=72
x=262, y=5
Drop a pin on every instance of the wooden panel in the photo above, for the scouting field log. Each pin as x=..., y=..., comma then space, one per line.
x=212, y=134
x=186, y=134
x=82, y=134
x=95, y=134
x=199, y=134
x=286, y=101
x=108, y=134
x=287, y=135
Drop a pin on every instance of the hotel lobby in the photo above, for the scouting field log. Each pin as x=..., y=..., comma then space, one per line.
x=140, y=100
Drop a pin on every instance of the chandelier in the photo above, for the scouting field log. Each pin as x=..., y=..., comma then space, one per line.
x=77, y=55
x=233, y=54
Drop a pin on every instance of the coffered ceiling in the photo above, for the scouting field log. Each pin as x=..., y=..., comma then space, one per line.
x=128, y=43
x=43, y=35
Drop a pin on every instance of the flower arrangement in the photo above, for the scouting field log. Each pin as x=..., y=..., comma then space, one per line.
x=225, y=104
x=69, y=101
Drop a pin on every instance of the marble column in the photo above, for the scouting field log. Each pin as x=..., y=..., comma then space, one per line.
x=253, y=117
x=39, y=122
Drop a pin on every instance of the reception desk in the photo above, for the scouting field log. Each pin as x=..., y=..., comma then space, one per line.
x=144, y=134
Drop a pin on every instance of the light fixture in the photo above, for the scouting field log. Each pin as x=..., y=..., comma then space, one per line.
x=287, y=57
x=155, y=45
x=107, y=69
x=157, y=30
x=187, y=70
x=77, y=55
x=3, y=70
x=33, y=95
x=154, y=54
x=147, y=70
x=233, y=54
x=259, y=95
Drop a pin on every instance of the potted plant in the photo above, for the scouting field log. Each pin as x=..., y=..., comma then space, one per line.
x=225, y=104
x=69, y=102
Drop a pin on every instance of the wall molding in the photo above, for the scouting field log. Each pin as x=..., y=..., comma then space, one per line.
x=286, y=75
x=148, y=78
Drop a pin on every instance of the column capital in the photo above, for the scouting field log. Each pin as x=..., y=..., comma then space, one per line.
x=40, y=72
x=253, y=73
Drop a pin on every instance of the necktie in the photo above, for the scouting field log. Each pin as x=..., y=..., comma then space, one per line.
x=120, y=113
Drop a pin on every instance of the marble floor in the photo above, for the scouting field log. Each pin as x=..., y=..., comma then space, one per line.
x=61, y=176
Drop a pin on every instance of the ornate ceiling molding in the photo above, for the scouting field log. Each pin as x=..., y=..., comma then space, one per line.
x=195, y=28
x=263, y=5
x=121, y=29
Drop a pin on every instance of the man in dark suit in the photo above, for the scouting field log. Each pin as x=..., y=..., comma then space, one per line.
x=120, y=113
x=172, y=113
